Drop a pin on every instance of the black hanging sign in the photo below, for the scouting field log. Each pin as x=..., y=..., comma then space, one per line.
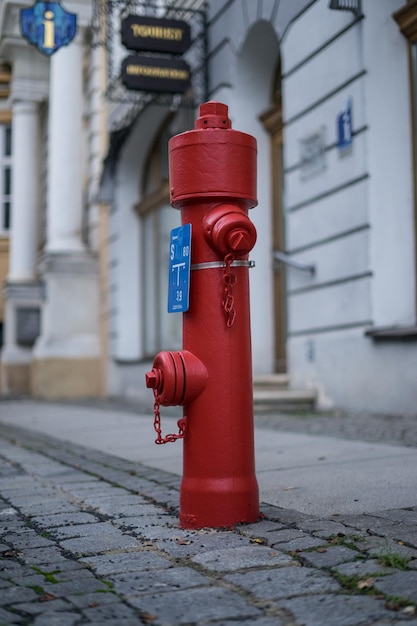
x=151, y=34
x=161, y=74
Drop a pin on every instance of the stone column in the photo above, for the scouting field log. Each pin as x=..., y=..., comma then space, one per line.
x=64, y=204
x=22, y=290
x=67, y=353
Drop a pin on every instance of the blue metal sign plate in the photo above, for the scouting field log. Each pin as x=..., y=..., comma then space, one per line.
x=47, y=26
x=344, y=128
x=179, y=269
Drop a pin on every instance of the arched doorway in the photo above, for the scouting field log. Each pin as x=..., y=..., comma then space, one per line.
x=255, y=71
x=272, y=121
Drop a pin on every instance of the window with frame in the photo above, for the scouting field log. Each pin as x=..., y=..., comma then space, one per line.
x=5, y=177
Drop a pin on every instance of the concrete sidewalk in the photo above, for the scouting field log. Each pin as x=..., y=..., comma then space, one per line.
x=312, y=474
x=89, y=529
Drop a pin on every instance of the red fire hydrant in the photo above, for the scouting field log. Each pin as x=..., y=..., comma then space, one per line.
x=213, y=183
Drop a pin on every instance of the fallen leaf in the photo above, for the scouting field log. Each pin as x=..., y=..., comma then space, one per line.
x=366, y=583
x=11, y=554
x=147, y=618
x=184, y=542
x=258, y=540
x=288, y=488
x=321, y=550
x=47, y=597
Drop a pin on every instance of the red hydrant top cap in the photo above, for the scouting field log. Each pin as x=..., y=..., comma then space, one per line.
x=213, y=115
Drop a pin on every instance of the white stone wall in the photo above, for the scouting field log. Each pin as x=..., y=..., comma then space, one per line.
x=354, y=219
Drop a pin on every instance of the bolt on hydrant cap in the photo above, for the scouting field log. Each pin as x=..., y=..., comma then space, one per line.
x=213, y=115
x=152, y=379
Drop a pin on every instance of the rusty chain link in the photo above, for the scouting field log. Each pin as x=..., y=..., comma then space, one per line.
x=229, y=281
x=182, y=424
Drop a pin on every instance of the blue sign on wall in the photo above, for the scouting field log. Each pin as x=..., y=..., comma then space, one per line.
x=344, y=127
x=47, y=26
x=179, y=269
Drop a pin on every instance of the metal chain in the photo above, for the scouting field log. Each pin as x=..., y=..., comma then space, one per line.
x=182, y=424
x=229, y=281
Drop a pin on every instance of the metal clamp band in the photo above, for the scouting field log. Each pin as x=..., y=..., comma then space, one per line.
x=215, y=264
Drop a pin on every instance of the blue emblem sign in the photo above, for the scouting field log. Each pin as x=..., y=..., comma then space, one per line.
x=179, y=269
x=47, y=26
x=344, y=127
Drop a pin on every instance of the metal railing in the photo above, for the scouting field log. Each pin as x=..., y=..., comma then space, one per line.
x=281, y=257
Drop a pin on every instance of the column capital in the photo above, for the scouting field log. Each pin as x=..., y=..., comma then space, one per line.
x=28, y=90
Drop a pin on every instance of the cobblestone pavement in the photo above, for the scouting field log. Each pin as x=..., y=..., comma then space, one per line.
x=89, y=538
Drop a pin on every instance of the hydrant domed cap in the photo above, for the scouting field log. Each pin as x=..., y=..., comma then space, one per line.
x=213, y=115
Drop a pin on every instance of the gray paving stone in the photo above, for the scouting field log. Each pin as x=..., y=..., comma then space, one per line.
x=14, y=594
x=399, y=515
x=117, y=612
x=6, y=618
x=250, y=621
x=155, y=531
x=160, y=581
x=39, y=497
x=76, y=585
x=300, y=544
x=58, y=618
x=362, y=568
x=324, y=528
x=86, y=600
x=231, y=559
x=28, y=539
x=285, y=516
x=259, y=529
x=285, y=535
x=401, y=584
x=285, y=582
x=48, y=506
x=202, y=543
x=72, y=476
x=381, y=545
x=36, y=607
x=7, y=512
x=92, y=487
x=336, y=610
x=334, y=555
x=64, y=519
x=194, y=605
x=133, y=510
x=42, y=556
x=28, y=578
x=126, y=562
x=83, y=546
x=96, y=529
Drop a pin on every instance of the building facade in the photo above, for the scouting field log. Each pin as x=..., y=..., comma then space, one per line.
x=327, y=89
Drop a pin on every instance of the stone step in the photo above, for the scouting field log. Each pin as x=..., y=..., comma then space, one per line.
x=283, y=399
x=270, y=381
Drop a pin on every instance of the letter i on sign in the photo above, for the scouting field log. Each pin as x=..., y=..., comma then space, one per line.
x=49, y=30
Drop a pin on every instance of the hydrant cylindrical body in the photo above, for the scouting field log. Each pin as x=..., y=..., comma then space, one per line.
x=213, y=183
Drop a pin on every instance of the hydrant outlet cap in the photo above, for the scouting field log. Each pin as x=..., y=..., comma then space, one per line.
x=213, y=115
